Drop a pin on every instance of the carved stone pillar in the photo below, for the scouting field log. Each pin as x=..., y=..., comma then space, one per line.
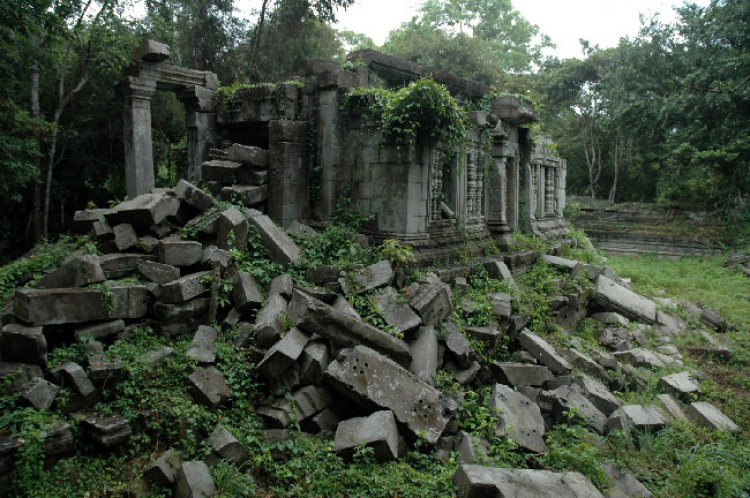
x=436, y=186
x=136, y=94
x=471, y=184
x=541, y=184
x=549, y=193
x=479, y=197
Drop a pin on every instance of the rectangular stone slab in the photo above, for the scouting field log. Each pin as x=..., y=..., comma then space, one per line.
x=474, y=481
x=316, y=317
x=371, y=379
x=614, y=297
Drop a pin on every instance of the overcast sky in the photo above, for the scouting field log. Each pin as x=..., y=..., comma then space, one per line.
x=602, y=22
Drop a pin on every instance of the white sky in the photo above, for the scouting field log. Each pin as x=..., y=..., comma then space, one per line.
x=602, y=22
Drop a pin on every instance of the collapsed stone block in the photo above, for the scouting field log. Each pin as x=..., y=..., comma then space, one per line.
x=378, y=431
x=163, y=472
x=23, y=344
x=372, y=277
x=193, y=196
x=474, y=481
x=158, y=272
x=99, y=331
x=269, y=326
x=544, y=352
x=463, y=375
x=245, y=154
x=614, y=297
x=283, y=354
x=283, y=285
x=708, y=415
x=369, y=378
x=598, y=394
x=624, y=485
x=396, y=313
x=143, y=211
x=458, y=345
x=125, y=236
x=123, y=264
x=39, y=394
x=156, y=356
x=424, y=351
x=519, y=418
x=103, y=369
x=20, y=374
x=185, y=288
x=108, y=431
x=281, y=248
x=227, y=447
x=77, y=272
x=202, y=349
x=72, y=375
x=565, y=399
x=164, y=312
x=520, y=374
x=232, y=230
x=207, y=386
x=315, y=360
x=491, y=336
x=638, y=417
x=433, y=303
x=680, y=385
x=672, y=407
x=194, y=481
x=316, y=317
x=180, y=252
x=246, y=294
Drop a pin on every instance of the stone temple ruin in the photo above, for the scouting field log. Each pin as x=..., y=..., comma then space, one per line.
x=322, y=367
x=290, y=151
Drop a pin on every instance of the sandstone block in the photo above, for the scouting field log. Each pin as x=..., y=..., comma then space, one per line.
x=180, y=252
x=378, y=431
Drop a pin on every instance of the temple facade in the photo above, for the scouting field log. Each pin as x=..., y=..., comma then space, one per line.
x=289, y=149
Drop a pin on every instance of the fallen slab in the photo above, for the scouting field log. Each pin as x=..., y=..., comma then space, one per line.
x=316, y=317
x=614, y=297
x=377, y=431
x=708, y=415
x=371, y=379
x=544, y=352
x=281, y=248
x=638, y=417
x=474, y=481
x=518, y=418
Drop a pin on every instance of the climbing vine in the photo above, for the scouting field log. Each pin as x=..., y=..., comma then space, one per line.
x=422, y=109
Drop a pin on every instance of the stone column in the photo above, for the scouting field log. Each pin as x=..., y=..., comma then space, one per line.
x=200, y=105
x=560, y=189
x=529, y=195
x=512, y=206
x=549, y=192
x=541, y=182
x=139, y=158
x=497, y=185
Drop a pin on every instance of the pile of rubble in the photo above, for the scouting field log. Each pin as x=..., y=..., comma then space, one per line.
x=328, y=371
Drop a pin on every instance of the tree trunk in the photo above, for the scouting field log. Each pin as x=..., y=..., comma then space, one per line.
x=258, y=36
x=619, y=153
x=34, y=113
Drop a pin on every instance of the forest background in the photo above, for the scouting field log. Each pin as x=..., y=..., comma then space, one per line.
x=662, y=117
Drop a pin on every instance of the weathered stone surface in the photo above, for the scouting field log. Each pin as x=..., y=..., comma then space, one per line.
x=281, y=248
x=212, y=255
x=127, y=302
x=564, y=399
x=315, y=360
x=103, y=369
x=158, y=272
x=520, y=374
x=491, y=336
x=638, y=417
x=227, y=447
x=342, y=305
x=221, y=171
x=246, y=294
x=185, y=288
x=207, y=386
x=395, y=311
x=432, y=302
x=680, y=385
x=163, y=472
x=714, y=320
x=254, y=156
x=672, y=407
x=474, y=481
x=372, y=277
x=78, y=272
x=598, y=394
x=232, y=229
x=614, y=297
x=641, y=357
x=470, y=449
x=193, y=196
x=202, y=348
x=323, y=274
x=143, y=211
x=323, y=294
x=180, y=252
x=544, y=352
x=108, y=431
x=125, y=236
x=20, y=374
x=283, y=285
x=325, y=420
x=584, y=363
x=519, y=418
x=248, y=195
x=498, y=270
x=194, y=481
x=58, y=440
x=610, y=318
x=72, y=375
x=458, y=345
x=562, y=263
x=39, y=393
x=122, y=264
x=152, y=51
x=378, y=431
x=370, y=378
x=83, y=221
x=316, y=317
x=172, y=312
x=268, y=324
x=99, y=331
x=624, y=485
x=300, y=231
x=283, y=354
x=708, y=415
x=424, y=352
x=463, y=375
x=23, y=344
